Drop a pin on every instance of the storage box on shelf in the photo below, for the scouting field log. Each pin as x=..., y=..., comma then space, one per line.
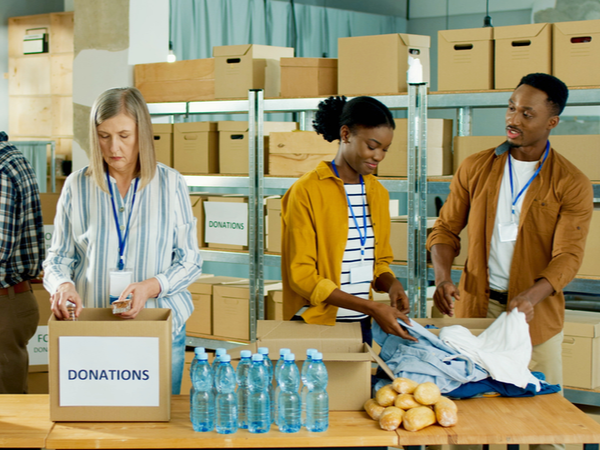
x=466, y=59
x=37, y=347
x=196, y=148
x=581, y=349
x=197, y=200
x=520, y=50
x=163, y=142
x=49, y=202
x=308, y=77
x=388, y=54
x=292, y=154
x=274, y=225
x=576, y=52
x=181, y=81
x=226, y=222
x=233, y=144
x=399, y=236
x=239, y=68
x=591, y=263
x=274, y=307
x=439, y=149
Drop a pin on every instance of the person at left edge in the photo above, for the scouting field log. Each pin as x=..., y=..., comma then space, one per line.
x=161, y=245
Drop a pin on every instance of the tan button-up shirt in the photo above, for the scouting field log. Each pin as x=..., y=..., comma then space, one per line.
x=553, y=226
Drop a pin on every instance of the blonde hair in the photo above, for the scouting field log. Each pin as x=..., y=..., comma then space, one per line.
x=109, y=104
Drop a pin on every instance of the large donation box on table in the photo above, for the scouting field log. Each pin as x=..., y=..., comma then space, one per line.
x=107, y=369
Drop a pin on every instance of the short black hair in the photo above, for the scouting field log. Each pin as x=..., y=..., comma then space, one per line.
x=554, y=88
x=335, y=112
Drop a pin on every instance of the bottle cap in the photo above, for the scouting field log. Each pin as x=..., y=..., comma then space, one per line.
x=225, y=358
x=202, y=356
x=311, y=351
x=246, y=354
x=317, y=356
x=289, y=357
x=283, y=351
x=220, y=351
x=199, y=350
x=257, y=357
x=263, y=350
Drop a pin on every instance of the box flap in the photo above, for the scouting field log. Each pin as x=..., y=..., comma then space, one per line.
x=205, y=285
x=381, y=363
x=231, y=50
x=240, y=289
x=415, y=40
x=194, y=127
x=467, y=35
x=309, y=62
x=276, y=296
x=519, y=31
x=582, y=323
x=271, y=52
x=274, y=203
x=232, y=125
x=579, y=27
x=162, y=128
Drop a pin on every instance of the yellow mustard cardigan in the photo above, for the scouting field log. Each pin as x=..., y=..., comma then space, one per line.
x=314, y=214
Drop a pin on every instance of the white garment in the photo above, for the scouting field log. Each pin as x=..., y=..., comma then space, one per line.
x=501, y=253
x=504, y=349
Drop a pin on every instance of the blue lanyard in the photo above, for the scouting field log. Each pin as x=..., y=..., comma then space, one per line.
x=122, y=239
x=512, y=194
x=363, y=239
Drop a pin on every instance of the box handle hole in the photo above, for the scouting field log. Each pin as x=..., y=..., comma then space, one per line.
x=581, y=39
x=568, y=341
x=463, y=46
x=237, y=137
x=521, y=43
x=233, y=60
x=190, y=137
x=414, y=51
x=157, y=138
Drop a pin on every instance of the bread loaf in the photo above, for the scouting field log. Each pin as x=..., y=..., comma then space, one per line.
x=427, y=393
x=386, y=395
x=391, y=418
x=406, y=401
x=446, y=412
x=404, y=385
x=373, y=409
x=416, y=419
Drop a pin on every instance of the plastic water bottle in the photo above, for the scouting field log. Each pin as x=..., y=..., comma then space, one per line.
x=197, y=351
x=264, y=351
x=278, y=366
x=317, y=399
x=305, y=364
x=202, y=399
x=218, y=353
x=226, y=404
x=259, y=406
x=288, y=399
x=241, y=375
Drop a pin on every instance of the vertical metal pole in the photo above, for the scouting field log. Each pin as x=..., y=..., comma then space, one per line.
x=255, y=208
x=463, y=127
x=417, y=198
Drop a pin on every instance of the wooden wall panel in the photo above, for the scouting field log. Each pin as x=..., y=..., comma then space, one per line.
x=30, y=116
x=62, y=116
x=29, y=75
x=62, y=74
x=17, y=27
x=61, y=32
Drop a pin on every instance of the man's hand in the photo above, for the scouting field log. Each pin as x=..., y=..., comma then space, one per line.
x=387, y=318
x=398, y=298
x=522, y=303
x=140, y=292
x=66, y=292
x=527, y=299
x=442, y=298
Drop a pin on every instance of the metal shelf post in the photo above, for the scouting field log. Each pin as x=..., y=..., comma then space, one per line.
x=417, y=198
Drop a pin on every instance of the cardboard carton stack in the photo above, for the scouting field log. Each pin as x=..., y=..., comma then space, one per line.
x=196, y=148
x=163, y=142
x=274, y=225
x=226, y=222
x=581, y=349
x=399, y=236
x=292, y=154
x=576, y=52
x=308, y=77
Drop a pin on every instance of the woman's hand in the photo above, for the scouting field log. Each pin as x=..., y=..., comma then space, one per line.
x=398, y=298
x=387, y=318
x=140, y=292
x=66, y=292
x=443, y=297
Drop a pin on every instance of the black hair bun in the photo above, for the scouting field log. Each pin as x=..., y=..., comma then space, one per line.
x=327, y=119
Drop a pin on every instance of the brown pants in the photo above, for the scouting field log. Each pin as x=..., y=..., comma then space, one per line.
x=19, y=317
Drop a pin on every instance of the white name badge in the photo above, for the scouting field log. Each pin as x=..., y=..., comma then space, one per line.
x=361, y=273
x=508, y=231
x=119, y=280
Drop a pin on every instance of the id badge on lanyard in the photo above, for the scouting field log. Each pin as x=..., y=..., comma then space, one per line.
x=361, y=273
x=119, y=280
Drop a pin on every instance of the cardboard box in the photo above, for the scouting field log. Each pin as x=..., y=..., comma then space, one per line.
x=399, y=236
x=274, y=225
x=466, y=59
x=231, y=306
x=581, y=349
x=37, y=347
x=88, y=354
x=275, y=305
x=37, y=383
x=581, y=150
x=196, y=147
x=370, y=65
x=591, y=263
x=49, y=202
x=181, y=81
x=199, y=324
x=475, y=326
x=163, y=142
x=576, y=52
x=347, y=359
x=233, y=145
x=520, y=50
x=186, y=381
x=292, y=154
x=214, y=221
x=197, y=201
x=239, y=68
x=439, y=150
x=308, y=77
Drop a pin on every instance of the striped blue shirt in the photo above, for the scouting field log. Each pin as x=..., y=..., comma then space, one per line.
x=162, y=241
x=21, y=225
x=352, y=253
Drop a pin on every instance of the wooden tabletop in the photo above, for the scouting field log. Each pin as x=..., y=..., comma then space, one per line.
x=24, y=421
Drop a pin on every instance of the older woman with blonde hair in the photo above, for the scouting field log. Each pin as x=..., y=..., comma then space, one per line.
x=124, y=217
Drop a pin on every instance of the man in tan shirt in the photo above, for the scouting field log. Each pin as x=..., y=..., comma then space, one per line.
x=528, y=211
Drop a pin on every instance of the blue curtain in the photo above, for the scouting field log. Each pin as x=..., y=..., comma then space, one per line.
x=35, y=153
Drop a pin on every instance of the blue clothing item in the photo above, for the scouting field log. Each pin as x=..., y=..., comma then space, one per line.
x=177, y=361
x=427, y=360
x=492, y=388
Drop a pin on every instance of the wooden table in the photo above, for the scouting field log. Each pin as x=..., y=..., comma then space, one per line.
x=545, y=419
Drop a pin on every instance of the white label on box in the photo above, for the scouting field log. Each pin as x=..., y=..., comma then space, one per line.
x=226, y=223
x=108, y=371
x=48, y=232
x=37, y=347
